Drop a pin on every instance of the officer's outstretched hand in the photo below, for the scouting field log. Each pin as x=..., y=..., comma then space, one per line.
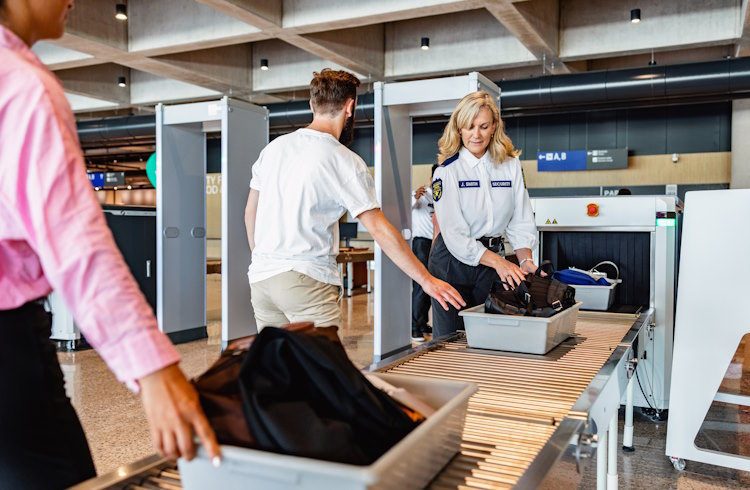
x=530, y=267
x=174, y=413
x=443, y=292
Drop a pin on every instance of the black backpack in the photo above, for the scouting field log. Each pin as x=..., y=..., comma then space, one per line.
x=535, y=296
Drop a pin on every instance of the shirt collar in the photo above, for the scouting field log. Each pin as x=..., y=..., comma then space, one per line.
x=473, y=161
x=11, y=41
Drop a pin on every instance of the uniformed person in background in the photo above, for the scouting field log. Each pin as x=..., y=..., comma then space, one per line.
x=422, y=232
x=479, y=194
x=422, y=213
x=302, y=183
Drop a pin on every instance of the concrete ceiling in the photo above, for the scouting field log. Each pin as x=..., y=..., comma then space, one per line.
x=180, y=50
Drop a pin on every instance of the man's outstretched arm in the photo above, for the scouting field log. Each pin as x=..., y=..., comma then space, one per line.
x=396, y=248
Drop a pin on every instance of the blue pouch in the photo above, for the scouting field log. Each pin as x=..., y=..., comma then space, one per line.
x=578, y=278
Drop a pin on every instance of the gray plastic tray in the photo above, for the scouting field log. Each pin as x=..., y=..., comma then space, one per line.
x=411, y=463
x=597, y=297
x=530, y=335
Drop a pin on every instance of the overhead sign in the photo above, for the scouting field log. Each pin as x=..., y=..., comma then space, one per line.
x=559, y=161
x=107, y=179
x=96, y=179
x=565, y=161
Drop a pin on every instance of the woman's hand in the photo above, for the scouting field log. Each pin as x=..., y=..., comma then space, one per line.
x=510, y=273
x=529, y=267
x=174, y=413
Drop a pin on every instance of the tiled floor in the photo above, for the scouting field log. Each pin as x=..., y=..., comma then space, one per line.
x=117, y=432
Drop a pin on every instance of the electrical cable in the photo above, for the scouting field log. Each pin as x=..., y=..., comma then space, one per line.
x=641, y=387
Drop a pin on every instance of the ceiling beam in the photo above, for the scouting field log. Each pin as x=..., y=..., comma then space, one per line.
x=536, y=24
x=359, y=49
x=94, y=20
x=99, y=82
x=226, y=69
x=743, y=45
x=266, y=15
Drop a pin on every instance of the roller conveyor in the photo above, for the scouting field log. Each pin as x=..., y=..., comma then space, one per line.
x=521, y=400
x=529, y=425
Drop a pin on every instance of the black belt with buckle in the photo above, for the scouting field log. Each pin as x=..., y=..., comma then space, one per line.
x=493, y=243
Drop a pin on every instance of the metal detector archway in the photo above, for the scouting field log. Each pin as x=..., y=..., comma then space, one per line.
x=181, y=214
x=395, y=106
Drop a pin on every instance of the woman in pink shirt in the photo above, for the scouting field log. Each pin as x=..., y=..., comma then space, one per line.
x=53, y=236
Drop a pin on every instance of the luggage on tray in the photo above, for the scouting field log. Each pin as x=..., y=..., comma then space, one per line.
x=295, y=391
x=535, y=296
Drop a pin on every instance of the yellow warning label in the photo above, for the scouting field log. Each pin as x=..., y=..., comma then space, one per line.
x=548, y=222
x=554, y=221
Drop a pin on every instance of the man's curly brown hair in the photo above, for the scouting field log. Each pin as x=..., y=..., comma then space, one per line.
x=330, y=89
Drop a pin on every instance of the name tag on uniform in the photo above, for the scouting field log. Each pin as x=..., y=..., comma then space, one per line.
x=501, y=183
x=464, y=184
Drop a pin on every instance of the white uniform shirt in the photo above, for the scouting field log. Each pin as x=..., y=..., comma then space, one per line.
x=475, y=197
x=421, y=216
x=307, y=180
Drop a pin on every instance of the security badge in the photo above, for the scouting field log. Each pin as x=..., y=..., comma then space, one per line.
x=437, y=189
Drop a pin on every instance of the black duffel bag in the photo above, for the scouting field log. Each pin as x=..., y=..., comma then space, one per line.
x=535, y=296
x=301, y=395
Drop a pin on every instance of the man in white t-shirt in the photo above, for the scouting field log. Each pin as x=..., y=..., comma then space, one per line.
x=302, y=183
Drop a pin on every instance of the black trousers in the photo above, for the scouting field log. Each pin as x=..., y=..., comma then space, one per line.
x=42, y=445
x=472, y=282
x=420, y=301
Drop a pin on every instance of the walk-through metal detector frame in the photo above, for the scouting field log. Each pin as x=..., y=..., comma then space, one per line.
x=395, y=105
x=181, y=214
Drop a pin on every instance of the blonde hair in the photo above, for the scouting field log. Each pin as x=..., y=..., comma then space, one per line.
x=500, y=147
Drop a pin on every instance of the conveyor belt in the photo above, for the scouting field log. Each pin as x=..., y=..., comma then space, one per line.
x=521, y=401
x=521, y=398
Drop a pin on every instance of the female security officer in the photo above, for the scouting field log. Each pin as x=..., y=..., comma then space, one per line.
x=479, y=193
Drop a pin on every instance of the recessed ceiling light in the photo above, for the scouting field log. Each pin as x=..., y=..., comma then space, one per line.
x=121, y=11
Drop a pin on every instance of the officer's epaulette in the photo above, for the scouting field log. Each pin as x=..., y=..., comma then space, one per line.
x=450, y=160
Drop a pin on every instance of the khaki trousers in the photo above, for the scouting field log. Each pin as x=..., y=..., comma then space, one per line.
x=294, y=297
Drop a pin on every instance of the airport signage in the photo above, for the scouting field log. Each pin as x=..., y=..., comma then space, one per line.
x=565, y=161
x=107, y=179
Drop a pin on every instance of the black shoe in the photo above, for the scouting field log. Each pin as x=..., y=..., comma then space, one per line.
x=416, y=335
x=427, y=329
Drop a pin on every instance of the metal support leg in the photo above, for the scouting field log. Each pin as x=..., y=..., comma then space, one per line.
x=612, y=454
x=627, y=434
x=601, y=460
x=369, y=283
x=349, y=278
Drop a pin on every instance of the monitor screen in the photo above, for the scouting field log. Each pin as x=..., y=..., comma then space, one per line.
x=347, y=230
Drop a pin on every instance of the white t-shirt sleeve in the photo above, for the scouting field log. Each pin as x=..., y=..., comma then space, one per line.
x=357, y=194
x=521, y=230
x=450, y=218
x=257, y=172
